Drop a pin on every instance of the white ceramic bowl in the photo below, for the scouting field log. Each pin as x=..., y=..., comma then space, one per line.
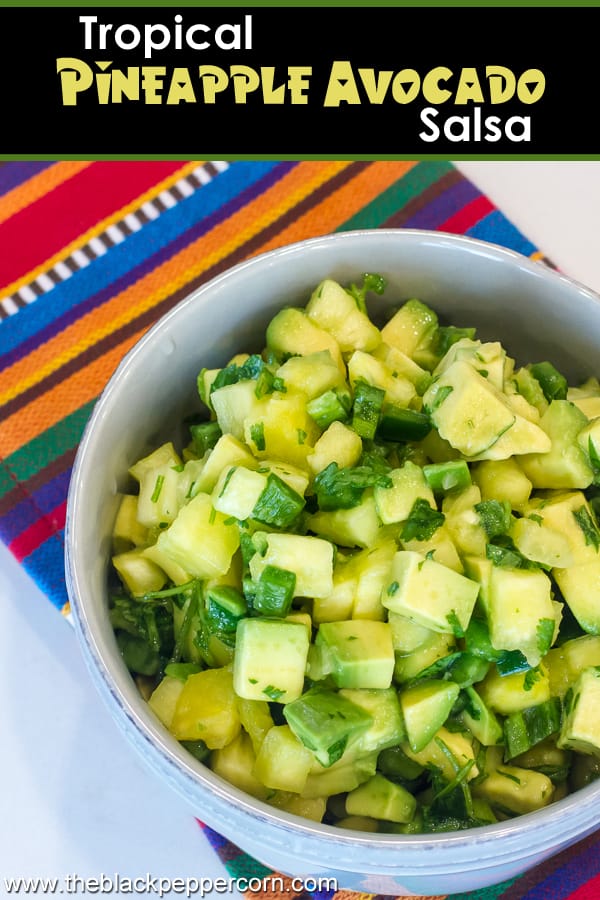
x=536, y=312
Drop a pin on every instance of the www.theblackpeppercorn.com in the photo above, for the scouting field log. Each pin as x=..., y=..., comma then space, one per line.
x=456, y=100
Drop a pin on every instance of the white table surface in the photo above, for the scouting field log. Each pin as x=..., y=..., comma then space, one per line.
x=75, y=799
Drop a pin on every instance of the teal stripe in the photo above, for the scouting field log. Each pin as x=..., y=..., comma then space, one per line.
x=401, y=192
x=42, y=450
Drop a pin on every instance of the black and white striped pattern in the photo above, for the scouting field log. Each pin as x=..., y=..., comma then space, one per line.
x=114, y=234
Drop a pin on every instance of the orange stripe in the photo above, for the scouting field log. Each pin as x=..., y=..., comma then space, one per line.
x=49, y=408
x=68, y=396
x=341, y=206
x=31, y=190
x=99, y=228
x=152, y=288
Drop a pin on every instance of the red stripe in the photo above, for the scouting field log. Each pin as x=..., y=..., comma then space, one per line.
x=43, y=228
x=38, y=532
x=468, y=216
x=590, y=890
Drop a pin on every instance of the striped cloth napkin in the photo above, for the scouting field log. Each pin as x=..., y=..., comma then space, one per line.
x=93, y=252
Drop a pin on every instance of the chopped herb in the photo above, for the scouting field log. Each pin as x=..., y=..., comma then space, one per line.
x=228, y=478
x=423, y=521
x=392, y=588
x=495, y=516
x=160, y=480
x=545, y=635
x=257, y=433
x=535, y=518
x=301, y=435
x=273, y=693
x=531, y=677
x=439, y=397
x=371, y=282
x=508, y=775
x=343, y=488
x=594, y=460
x=553, y=384
x=587, y=524
x=447, y=335
x=454, y=623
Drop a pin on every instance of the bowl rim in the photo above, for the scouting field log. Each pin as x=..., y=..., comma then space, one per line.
x=155, y=740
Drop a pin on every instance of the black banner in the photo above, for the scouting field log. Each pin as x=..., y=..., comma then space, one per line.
x=299, y=81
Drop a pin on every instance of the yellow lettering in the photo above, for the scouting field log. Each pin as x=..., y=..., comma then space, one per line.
x=432, y=91
x=502, y=83
x=468, y=88
x=181, y=89
x=125, y=85
x=406, y=85
x=376, y=85
x=214, y=80
x=298, y=83
x=341, y=87
x=531, y=86
x=245, y=80
x=152, y=83
x=75, y=77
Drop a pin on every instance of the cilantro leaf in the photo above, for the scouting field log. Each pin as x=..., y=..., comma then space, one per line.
x=423, y=521
x=588, y=526
x=545, y=635
x=343, y=488
x=371, y=282
x=495, y=516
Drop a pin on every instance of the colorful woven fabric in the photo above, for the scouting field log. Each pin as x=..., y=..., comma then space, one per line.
x=94, y=252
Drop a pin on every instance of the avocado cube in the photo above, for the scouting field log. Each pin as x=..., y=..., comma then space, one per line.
x=394, y=503
x=309, y=558
x=360, y=651
x=283, y=762
x=580, y=586
x=326, y=722
x=380, y=798
x=292, y=333
x=387, y=728
x=410, y=327
x=505, y=694
x=359, y=526
x=430, y=593
x=270, y=659
x=580, y=729
x=521, y=612
x=467, y=410
x=425, y=708
x=206, y=709
x=447, y=751
x=313, y=374
x=516, y=789
x=566, y=464
x=237, y=491
x=333, y=308
x=200, y=540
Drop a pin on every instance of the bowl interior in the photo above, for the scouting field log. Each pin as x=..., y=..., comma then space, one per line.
x=535, y=312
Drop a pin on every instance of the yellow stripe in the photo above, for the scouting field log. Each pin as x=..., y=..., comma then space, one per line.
x=153, y=287
x=100, y=227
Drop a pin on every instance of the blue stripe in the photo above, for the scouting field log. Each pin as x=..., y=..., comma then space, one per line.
x=47, y=568
x=495, y=227
x=120, y=260
x=32, y=507
x=13, y=174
